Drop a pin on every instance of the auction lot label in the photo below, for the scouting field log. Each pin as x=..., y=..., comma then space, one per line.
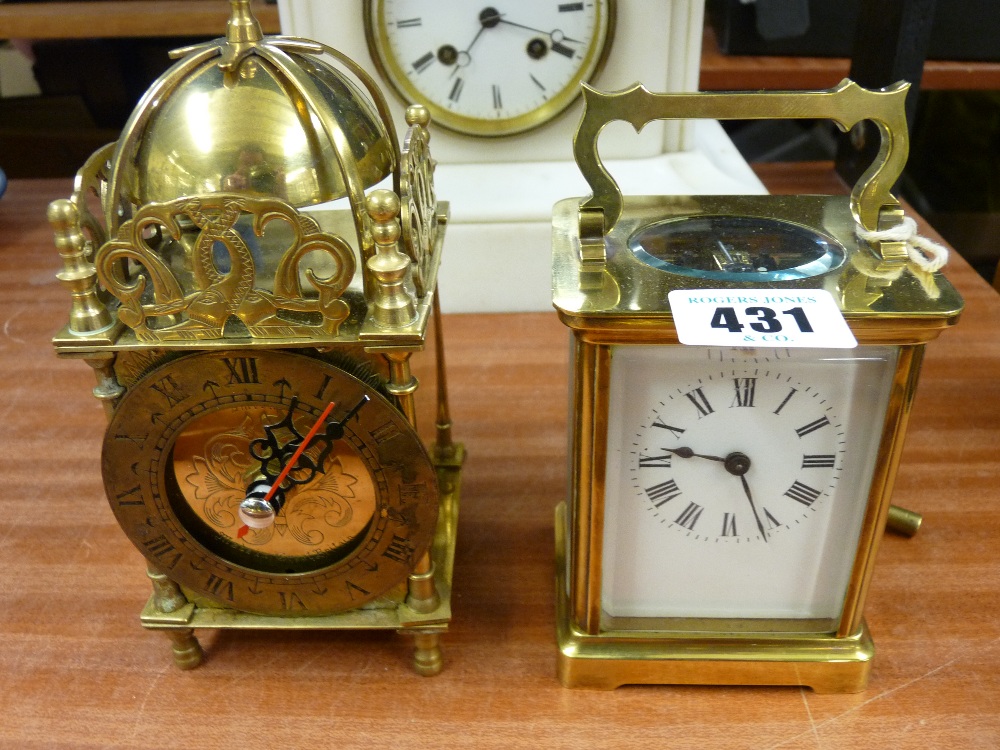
x=759, y=317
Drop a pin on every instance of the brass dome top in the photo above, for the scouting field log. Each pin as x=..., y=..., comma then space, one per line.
x=257, y=115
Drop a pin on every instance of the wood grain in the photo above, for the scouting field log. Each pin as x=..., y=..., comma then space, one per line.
x=77, y=670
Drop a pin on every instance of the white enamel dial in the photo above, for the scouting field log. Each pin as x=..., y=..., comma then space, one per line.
x=737, y=480
x=490, y=68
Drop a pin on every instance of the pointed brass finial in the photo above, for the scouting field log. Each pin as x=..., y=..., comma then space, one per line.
x=89, y=314
x=243, y=26
x=392, y=304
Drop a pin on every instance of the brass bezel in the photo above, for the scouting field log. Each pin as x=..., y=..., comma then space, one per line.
x=394, y=74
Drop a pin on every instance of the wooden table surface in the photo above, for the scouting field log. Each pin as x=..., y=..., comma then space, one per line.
x=77, y=670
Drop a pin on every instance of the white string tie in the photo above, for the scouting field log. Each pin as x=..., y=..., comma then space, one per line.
x=926, y=254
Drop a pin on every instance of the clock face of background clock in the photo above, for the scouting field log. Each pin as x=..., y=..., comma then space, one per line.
x=737, y=479
x=489, y=68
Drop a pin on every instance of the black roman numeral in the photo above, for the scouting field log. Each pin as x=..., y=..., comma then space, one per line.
x=563, y=50
x=169, y=389
x=220, y=587
x=421, y=63
x=323, y=386
x=242, y=370
x=291, y=602
x=408, y=23
x=802, y=493
x=697, y=397
x=164, y=552
x=399, y=549
x=655, y=462
x=456, y=90
x=385, y=433
x=497, y=100
x=745, y=389
x=137, y=441
x=689, y=517
x=130, y=497
x=570, y=7
x=781, y=406
x=812, y=426
x=663, y=492
x=353, y=588
x=677, y=431
x=729, y=524
x=772, y=522
x=818, y=461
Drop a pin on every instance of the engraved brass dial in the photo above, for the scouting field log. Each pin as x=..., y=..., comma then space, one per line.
x=177, y=463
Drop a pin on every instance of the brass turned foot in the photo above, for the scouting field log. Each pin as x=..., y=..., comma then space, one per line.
x=427, y=658
x=186, y=649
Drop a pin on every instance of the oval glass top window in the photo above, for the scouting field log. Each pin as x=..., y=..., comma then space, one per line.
x=736, y=248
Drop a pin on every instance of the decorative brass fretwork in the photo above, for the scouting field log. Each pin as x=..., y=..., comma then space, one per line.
x=418, y=204
x=204, y=258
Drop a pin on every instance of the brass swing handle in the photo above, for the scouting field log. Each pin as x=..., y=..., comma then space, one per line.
x=846, y=104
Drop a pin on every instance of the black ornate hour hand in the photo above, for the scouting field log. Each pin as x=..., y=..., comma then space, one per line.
x=269, y=451
x=283, y=466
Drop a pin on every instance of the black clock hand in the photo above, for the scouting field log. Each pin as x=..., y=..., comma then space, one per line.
x=488, y=19
x=274, y=457
x=550, y=34
x=746, y=489
x=737, y=464
x=266, y=497
x=688, y=453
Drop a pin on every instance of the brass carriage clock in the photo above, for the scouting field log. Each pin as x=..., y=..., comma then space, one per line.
x=256, y=304
x=728, y=496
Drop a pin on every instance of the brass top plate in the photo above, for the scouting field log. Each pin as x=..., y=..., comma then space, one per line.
x=628, y=292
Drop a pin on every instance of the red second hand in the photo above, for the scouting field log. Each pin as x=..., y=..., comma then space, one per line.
x=292, y=461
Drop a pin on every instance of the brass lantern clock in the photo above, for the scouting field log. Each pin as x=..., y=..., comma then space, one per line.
x=257, y=294
x=728, y=496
